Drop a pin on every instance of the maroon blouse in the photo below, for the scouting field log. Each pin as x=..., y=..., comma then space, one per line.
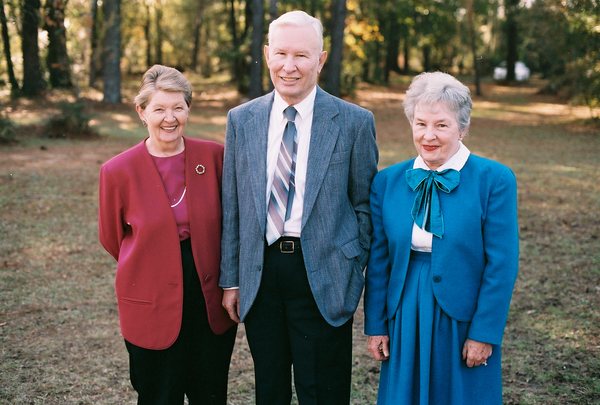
x=172, y=173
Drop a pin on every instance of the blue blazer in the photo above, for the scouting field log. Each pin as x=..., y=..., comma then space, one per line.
x=475, y=264
x=336, y=221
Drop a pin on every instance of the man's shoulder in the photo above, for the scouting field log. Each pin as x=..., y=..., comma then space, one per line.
x=347, y=108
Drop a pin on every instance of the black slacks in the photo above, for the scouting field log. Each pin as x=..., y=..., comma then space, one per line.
x=285, y=329
x=196, y=365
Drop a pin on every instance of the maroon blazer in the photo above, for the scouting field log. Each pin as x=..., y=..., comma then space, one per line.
x=137, y=227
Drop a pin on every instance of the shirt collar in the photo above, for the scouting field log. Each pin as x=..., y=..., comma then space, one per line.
x=303, y=108
x=456, y=162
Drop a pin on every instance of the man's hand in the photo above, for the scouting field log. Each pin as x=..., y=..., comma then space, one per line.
x=231, y=303
x=379, y=346
x=476, y=353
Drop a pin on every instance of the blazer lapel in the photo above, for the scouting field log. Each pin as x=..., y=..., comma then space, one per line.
x=256, y=135
x=323, y=138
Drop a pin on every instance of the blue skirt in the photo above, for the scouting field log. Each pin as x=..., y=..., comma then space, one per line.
x=426, y=365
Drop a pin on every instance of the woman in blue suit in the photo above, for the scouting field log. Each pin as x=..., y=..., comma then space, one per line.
x=444, y=259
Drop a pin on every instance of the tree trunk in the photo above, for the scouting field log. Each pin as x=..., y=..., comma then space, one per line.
x=272, y=16
x=57, y=59
x=147, y=36
x=237, y=62
x=392, y=40
x=427, y=58
x=471, y=22
x=366, y=71
x=255, y=87
x=158, y=14
x=112, y=51
x=206, y=60
x=377, y=71
x=333, y=74
x=313, y=8
x=512, y=36
x=94, y=52
x=406, y=67
x=12, y=79
x=197, y=27
x=33, y=82
x=272, y=10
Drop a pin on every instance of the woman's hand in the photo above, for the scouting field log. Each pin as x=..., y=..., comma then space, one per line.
x=379, y=346
x=476, y=353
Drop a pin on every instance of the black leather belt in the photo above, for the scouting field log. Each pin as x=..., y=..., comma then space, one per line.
x=288, y=245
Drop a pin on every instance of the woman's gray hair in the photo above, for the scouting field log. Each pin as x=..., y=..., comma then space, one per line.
x=164, y=78
x=429, y=88
x=297, y=19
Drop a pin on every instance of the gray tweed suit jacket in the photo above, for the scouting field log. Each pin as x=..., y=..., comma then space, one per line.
x=336, y=222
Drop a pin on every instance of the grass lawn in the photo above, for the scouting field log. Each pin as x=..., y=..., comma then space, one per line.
x=59, y=333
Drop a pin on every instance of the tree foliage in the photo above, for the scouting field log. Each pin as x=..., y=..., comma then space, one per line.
x=562, y=42
x=367, y=40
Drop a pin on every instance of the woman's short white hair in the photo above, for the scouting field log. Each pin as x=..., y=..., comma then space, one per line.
x=429, y=88
x=297, y=19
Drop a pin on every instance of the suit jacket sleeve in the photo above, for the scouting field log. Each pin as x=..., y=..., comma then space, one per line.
x=501, y=249
x=363, y=167
x=111, y=229
x=230, y=239
x=379, y=269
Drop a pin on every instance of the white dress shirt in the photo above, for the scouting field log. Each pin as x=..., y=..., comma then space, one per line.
x=421, y=239
x=277, y=123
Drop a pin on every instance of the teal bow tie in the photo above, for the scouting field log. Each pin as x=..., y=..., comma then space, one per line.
x=426, y=211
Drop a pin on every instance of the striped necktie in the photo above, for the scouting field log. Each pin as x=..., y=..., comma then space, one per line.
x=282, y=190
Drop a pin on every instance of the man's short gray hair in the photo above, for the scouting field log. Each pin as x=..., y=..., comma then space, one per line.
x=297, y=19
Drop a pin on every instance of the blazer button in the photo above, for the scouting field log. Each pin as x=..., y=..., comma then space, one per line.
x=208, y=278
x=437, y=279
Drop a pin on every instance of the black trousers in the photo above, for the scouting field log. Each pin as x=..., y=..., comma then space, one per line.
x=285, y=329
x=196, y=365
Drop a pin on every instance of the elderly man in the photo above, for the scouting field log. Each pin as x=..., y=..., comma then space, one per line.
x=296, y=228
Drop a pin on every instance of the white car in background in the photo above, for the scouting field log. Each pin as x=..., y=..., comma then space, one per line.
x=521, y=72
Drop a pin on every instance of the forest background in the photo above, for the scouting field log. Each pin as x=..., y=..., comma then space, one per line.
x=68, y=73
x=92, y=43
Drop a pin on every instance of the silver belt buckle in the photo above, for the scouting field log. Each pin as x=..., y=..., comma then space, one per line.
x=287, y=246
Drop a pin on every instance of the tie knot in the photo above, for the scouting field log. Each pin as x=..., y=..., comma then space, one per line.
x=290, y=113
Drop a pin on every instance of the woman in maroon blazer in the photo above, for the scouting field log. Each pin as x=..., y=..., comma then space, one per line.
x=160, y=218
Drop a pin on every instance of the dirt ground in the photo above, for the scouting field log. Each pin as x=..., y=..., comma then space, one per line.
x=552, y=344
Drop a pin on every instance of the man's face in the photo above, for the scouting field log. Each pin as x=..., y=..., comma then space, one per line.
x=294, y=61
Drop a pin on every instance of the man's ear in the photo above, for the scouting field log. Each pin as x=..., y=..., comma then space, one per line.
x=266, y=52
x=322, y=58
